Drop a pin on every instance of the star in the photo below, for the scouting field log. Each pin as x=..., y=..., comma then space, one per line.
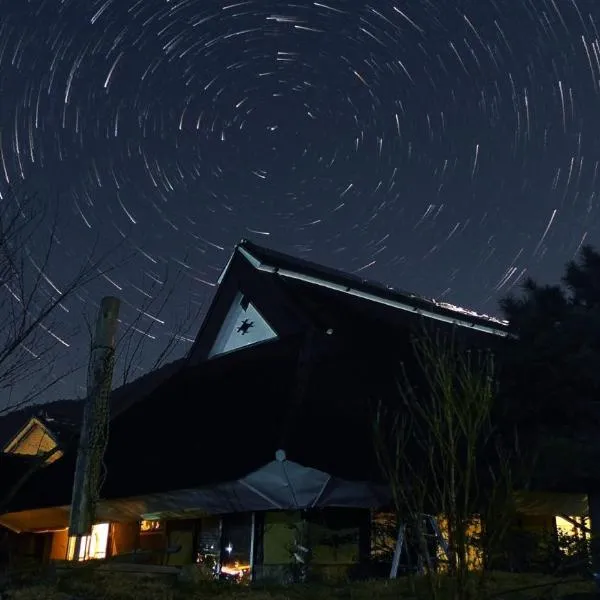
x=245, y=326
x=446, y=152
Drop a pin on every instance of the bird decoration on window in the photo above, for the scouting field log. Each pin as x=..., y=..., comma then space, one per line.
x=245, y=326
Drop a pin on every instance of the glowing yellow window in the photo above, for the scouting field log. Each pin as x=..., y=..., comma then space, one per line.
x=92, y=546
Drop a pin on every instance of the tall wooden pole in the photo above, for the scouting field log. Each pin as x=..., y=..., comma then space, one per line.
x=94, y=426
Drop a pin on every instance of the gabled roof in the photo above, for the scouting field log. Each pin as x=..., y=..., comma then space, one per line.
x=288, y=267
x=231, y=413
x=60, y=414
x=33, y=423
x=123, y=397
x=303, y=279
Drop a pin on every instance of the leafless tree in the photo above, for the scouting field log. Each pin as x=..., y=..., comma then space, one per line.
x=34, y=298
x=442, y=455
x=41, y=311
x=152, y=337
x=147, y=336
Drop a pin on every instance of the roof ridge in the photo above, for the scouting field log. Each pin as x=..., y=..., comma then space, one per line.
x=266, y=259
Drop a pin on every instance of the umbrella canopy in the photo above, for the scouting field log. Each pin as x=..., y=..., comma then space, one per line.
x=286, y=485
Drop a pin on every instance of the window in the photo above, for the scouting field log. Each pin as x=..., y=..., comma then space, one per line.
x=92, y=546
x=151, y=526
x=243, y=326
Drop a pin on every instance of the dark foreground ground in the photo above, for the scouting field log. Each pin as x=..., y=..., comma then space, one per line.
x=117, y=586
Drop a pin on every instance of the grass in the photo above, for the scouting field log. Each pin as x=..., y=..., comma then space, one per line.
x=118, y=586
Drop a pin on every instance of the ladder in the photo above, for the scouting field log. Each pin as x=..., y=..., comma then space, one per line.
x=401, y=543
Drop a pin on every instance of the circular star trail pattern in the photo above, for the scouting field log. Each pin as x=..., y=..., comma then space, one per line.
x=446, y=147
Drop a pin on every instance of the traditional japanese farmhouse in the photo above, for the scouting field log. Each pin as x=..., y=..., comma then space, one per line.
x=260, y=437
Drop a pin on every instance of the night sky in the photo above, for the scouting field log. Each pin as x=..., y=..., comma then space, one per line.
x=445, y=147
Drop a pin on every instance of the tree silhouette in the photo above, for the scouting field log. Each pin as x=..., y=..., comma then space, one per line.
x=551, y=371
x=33, y=304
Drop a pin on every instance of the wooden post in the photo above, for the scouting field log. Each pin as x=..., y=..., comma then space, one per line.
x=92, y=438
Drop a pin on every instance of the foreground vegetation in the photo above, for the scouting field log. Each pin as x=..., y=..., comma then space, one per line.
x=118, y=586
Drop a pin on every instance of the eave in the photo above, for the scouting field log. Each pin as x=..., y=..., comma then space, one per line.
x=445, y=317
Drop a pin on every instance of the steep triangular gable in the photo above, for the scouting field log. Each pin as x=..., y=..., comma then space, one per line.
x=34, y=439
x=246, y=293
x=243, y=326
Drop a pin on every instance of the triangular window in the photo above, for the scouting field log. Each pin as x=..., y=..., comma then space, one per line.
x=243, y=326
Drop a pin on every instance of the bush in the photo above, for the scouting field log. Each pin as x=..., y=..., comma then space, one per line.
x=120, y=586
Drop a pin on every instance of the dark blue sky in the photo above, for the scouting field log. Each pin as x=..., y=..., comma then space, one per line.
x=444, y=147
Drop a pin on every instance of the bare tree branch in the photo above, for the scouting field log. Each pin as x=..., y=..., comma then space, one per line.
x=33, y=305
x=442, y=454
x=147, y=337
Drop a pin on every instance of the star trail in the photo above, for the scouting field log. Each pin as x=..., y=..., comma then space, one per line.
x=445, y=147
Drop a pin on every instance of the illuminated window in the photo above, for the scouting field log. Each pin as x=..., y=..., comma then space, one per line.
x=243, y=326
x=572, y=528
x=150, y=526
x=92, y=546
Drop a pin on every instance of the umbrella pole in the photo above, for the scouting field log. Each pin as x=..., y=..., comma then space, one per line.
x=252, y=546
